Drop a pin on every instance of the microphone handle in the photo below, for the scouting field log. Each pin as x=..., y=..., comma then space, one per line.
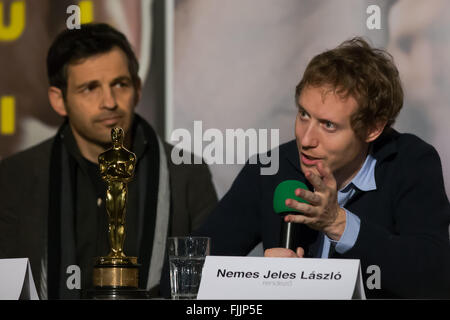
x=288, y=236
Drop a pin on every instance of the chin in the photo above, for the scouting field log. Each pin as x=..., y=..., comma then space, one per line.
x=103, y=138
x=310, y=169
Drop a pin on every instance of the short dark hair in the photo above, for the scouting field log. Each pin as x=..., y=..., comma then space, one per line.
x=367, y=74
x=91, y=39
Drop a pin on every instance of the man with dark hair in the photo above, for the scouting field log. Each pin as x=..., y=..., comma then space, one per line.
x=70, y=47
x=374, y=194
x=52, y=207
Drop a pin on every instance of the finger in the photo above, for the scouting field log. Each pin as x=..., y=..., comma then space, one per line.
x=326, y=174
x=280, y=253
x=298, y=218
x=301, y=207
x=309, y=196
x=311, y=222
x=300, y=252
x=316, y=181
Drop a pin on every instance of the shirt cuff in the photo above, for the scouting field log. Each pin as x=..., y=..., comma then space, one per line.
x=351, y=231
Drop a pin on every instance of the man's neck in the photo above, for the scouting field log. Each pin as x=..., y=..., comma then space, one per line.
x=343, y=178
x=89, y=151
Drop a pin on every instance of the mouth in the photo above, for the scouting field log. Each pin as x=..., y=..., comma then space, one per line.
x=110, y=120
x=309, y=160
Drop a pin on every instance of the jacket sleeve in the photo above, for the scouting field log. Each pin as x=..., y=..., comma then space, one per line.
x=202, y=197
x=414, y=257
x=234, y=226
x=8, y=221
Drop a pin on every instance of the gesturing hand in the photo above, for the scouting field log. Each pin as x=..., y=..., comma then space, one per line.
x=323, y=212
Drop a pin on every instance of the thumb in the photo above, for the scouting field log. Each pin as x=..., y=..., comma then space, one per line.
x=300, y=252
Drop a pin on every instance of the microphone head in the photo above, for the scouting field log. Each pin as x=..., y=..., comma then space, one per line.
x=286, y=190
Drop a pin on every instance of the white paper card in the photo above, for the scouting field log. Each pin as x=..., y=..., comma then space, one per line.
x=16, y=280
x=280, y=278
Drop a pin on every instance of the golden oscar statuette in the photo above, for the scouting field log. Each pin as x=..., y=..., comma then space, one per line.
x=115, y=276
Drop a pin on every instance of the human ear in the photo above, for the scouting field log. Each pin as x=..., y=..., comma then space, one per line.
x=56, y=99
x=138, y=91
x=374, y=132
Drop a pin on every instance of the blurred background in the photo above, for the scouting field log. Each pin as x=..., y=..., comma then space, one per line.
x=231, y=64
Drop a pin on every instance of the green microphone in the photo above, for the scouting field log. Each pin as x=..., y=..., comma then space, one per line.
x=286, y=190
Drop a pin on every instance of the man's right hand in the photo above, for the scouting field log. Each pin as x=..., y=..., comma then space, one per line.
x=284, y=253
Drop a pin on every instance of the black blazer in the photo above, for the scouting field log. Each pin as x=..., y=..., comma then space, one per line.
x=404, y=222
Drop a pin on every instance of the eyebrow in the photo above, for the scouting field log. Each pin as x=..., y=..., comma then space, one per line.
x=322, y=120
x=122, y=78
x=96, y=82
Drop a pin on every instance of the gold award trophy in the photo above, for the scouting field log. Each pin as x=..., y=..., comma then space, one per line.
x=115, y=276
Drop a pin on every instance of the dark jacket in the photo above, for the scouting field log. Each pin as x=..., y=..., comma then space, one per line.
x=24, y=201
x=404, y=222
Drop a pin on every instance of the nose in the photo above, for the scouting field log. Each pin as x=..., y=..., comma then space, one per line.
x=310, y=139
x=109, y=99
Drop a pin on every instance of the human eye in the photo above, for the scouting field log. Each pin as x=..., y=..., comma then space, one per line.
x=303, y=114
x=88, y=88
x=330, y=126
x=122, y=83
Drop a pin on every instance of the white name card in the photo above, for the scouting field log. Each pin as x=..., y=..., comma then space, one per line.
x=16, y=280
x=254, y=278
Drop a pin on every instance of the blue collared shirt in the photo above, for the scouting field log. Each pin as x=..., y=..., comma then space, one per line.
x=364, y=181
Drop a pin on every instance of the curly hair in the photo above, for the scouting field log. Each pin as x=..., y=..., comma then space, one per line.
x=367, y=74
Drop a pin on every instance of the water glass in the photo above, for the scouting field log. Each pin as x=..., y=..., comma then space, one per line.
x=186, y=259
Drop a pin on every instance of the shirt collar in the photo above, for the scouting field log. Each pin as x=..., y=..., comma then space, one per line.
x=365, y=178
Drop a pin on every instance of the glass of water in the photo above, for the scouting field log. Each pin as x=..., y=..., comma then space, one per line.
x=186, y=259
